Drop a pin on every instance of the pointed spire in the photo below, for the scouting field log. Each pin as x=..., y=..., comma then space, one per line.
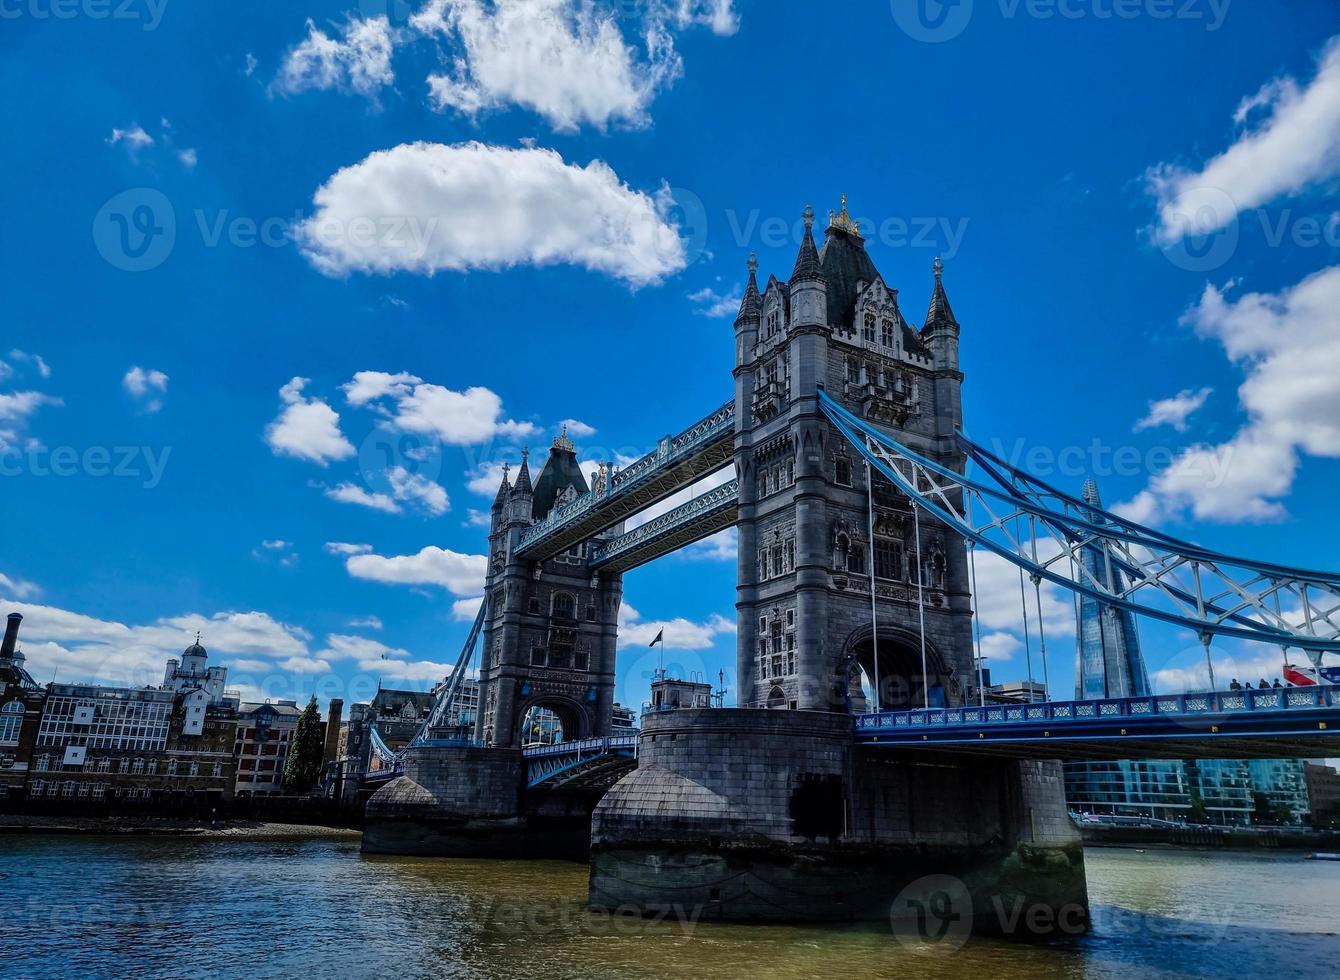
x=940, y=312
x=523, y=484
x=1091, y=493
x=504, y=488
x=807, y=262
x=751, y=307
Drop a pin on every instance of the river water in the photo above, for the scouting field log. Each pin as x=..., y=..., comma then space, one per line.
x=179, y=907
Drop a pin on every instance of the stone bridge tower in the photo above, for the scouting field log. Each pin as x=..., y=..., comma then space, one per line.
x=806, y=551
x=551, y=631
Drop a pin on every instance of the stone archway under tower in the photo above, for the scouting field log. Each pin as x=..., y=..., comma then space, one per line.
x=901, y=686
x=574, y=719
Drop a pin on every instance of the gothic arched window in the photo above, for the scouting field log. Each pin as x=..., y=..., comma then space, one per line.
x=869, y=328
x=886, y=332
x=564, y=606
x=11, y=720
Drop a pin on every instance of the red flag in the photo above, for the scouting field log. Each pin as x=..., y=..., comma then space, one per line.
x=1296, y=677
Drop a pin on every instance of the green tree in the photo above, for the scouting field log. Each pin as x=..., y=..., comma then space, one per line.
x=306, y=752
x=1197, y=813
x=1262, y=811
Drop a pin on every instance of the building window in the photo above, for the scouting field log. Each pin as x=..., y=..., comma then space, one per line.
x=537, y=657
x=762, y=563
x=137, y=769
x=99, y=791
x=125, y=766
x=888, y=559
x=853, y=371
x=856, y=560
x=777, y=560
x=842, y=471
x=36, y=787
x=11, y=720
x=869, y=328
x=195, y=768
x=172, y=768
x=43, y=763
x=581, y=660
x=152, y=768
x=104, y=764
x=83, y=790
x=763, y=484
x=565, y=607
x=218, y=769
x=886, y=332
x=533, y=606
x=591, y=613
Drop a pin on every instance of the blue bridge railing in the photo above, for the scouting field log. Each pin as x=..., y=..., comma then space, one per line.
x=546, y=762
x=1061, y=713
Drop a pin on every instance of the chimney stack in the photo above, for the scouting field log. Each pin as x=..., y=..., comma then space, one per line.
x=11, y=640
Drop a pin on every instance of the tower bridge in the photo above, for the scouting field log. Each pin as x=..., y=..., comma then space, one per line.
x=858, y=526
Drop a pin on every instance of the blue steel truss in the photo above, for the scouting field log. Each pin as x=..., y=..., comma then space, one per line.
x=1045, y=532
x=451, y=687
x=553, y=764
x=702, y=516
x=1133, y=726
x=677, y=462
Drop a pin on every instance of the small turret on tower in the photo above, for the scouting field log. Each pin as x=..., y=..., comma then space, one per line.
x=940, y=331
x=523, y=493
x=751, y=307
x=809, y=294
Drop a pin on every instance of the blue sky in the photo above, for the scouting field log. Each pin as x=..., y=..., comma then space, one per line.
x=463, y=225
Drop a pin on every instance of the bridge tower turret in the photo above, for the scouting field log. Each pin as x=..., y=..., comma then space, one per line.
x=805, y=633
x=550, y=635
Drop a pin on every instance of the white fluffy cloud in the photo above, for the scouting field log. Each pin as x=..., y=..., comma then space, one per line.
x=369, y=386
x=352, y=493
x=1288, y=345
x=1173, y=411
x=18, y=406
x=718, y=15
x=461, y=575
x=710, y=303
x=307, y=428
x=578, y=429
x=1294, y=144
x=458, y=418
x=358, y=61
x=87, y=648
x=566, y=60
x=425, y=208
x=133, y=137
x=680, y=633
x=346, y=548
x=145, y=386
x=17, y=588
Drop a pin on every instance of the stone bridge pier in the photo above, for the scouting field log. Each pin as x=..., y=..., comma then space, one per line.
x=751, y=814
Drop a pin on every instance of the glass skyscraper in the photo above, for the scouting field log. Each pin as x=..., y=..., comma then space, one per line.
x=1109, y=664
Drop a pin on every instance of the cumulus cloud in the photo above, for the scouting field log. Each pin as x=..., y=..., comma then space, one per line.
x=1286, y=344
x=345, y=548
x=352, y=493
x=358, y=61
x=722, y=546
x=462, y=575
x=565, y=60
x=17, y=588
x=87, y=648
x=578, y=429
x=680, y=633
x=16, y=409
x=368, y=386
x=307, y=428
x=457, y=418
x=145, y=386
x=1173, y=411
x=708, y=302
x=133, y=137
x=717, y=15
x=465, y=610
x=425, y=208
x=1290, y=140
x=366, y=623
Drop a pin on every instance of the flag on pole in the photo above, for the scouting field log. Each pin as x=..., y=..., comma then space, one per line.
x=660, y=638
x=1295, y=676
x=1331, y=675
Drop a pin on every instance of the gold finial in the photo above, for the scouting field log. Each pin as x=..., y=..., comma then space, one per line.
x=563, y=442
x=843, y=221
x=753, y=262
x=808, y=215
x=938, y=267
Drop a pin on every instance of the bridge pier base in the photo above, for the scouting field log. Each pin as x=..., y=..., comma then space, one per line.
x=750, y=814
x=456, y=801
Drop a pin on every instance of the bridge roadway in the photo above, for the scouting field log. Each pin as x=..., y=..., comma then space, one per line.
x=678, y=462
x=704, y=515
x=1295, y=722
